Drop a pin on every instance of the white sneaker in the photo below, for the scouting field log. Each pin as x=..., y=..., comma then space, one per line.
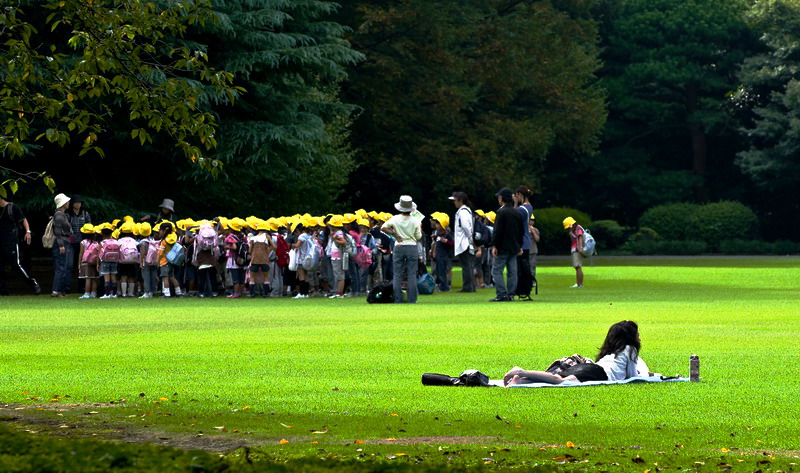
x=146, y=295
x=85, y=295
x=299, y=296
x=113, y=296
x=575, y=286
x=105, y=296
x=336, y=296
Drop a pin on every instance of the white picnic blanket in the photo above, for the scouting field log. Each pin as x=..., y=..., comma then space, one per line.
x=567, y=384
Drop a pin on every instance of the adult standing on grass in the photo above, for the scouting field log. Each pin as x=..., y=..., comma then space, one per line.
x=524, y=275
x=506, y=245
x=576, y=235
x=78, y=217
x=407, y=231
x=12, y=221
x=62, y=250
x=462, y=236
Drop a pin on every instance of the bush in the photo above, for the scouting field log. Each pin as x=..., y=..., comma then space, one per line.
x=645, y=234
x=549, y=221
x=783, y=247
x=723, y=221
x=608, y=233
x=671, y=221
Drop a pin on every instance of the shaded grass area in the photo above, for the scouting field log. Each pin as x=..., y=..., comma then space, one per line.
x=340, y=371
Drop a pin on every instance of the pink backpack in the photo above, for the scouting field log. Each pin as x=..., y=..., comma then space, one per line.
x=129, y=251
x=206, y=238
x=151, y=256
x=91, y=251
x=109, y=251
x=363, y=256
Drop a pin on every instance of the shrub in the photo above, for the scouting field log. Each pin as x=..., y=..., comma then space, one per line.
x=666, y=247
x=735, y=247
x=713, y=223
x=608, y=233
x=645, y=234
x=671, y=221
x=549, y=221
x=783, y=247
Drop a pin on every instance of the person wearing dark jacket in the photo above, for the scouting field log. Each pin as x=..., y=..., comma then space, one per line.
x=506, y=244
x=12, y=223
x=62, y=251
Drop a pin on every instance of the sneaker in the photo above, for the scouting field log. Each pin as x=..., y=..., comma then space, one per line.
x=575, y=286
x=336, y=296
x=37, y=289
x=86, y=295
x=146, y=295
x=235, y=296
x=105, y=296
x=299, y=296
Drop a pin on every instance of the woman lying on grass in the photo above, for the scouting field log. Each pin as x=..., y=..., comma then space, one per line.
x=618, y=359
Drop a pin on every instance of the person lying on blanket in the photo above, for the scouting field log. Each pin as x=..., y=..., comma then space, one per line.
x=618, y=359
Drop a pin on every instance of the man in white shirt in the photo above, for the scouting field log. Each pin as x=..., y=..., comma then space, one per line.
x=462, y=234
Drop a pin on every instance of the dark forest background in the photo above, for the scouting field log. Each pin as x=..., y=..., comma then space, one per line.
x=607, y=106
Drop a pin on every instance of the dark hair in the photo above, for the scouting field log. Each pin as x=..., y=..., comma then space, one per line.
x=527, y=193
x=620, y=335
x=463, y=197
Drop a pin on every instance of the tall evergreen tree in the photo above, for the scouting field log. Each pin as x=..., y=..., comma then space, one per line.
x=284, y=144
x=470, y=95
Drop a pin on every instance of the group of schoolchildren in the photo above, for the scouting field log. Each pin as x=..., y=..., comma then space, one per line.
x=299, y=256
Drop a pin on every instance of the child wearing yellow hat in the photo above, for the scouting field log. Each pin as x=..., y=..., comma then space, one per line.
x=149, y=248
x=129, y=259
x=442, y=250
x=166, y=270
x=88, y=256
x=235, y=244
x=109, y=261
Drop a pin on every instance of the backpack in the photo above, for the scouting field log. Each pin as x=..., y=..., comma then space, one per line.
x=426, y=284
x=282, y=252
x=49, y=236
x=588, y=248
x=352, y=248
x=151, y=257
x=382, y=293
x=206, y=238
x=311, y=258
x=480, y=233
x=242, y=252
x=129, y=251
x=177, y=254
x=91, y=252
x=560, y=365
x=363, y=256
x=109, y=251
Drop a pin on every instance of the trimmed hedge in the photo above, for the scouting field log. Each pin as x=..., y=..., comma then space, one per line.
x=666, y=247
x=711, y=223
x=549, y=221
x=671, y=221
x=608, y=234
x=758, y=247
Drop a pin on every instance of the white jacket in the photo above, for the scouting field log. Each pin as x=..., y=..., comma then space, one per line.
x=462, y=232
x=625, y=364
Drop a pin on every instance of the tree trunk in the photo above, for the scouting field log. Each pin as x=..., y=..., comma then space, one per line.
x=699, y=147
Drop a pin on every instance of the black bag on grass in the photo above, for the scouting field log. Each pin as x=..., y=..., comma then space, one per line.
x=469, y=378
x=436, y=379
x=383, y=293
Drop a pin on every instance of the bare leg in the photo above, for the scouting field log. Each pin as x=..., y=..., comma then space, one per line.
x=520, y=376
x=579, y=275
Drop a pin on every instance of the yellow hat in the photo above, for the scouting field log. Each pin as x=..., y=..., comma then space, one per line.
x=87, y=228
x=568, y=222
x=171, y=238
x=144, y=229
x=336, y=221
x=157, y=227
x=532, y=217
x=361, y=213
x=115, y=234
x=296, y=224
x=442, y=218
x=480, y=212
x=127, y=227
x=115, y=222
x=127, y=218
x=385, y=216
x=491, y=216
x=349, y=218
x=235, y=225
x=363, y=222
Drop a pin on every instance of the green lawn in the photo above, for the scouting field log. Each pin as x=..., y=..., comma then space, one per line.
x=337, y=371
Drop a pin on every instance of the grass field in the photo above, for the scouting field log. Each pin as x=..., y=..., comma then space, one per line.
x=341, y=372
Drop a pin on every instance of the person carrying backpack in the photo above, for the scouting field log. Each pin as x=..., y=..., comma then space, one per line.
x=463, y=237
x=148, y=260
x=524, y=275
x=235, y=264
x=88, y=255
x=109, y=261
x=62, y=250
x=576, y=236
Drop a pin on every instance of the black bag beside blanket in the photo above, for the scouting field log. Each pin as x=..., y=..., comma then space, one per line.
x=469, y=378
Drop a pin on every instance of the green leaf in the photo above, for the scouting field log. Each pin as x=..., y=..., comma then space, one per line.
x=13, y=186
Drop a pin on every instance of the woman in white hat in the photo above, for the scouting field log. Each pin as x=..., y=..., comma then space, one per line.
x=406, y=231
x=62, y=250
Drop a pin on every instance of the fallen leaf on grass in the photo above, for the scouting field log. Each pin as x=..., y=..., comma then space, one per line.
x=391, y=439
x=221, y=428
x=570, y=445
x=163, y=399
x=319, y=431
x=283, y=442
x=92, y=412
x=287, y=426
x=358, y=442
x=724, y=450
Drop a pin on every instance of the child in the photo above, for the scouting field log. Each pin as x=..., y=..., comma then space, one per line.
x=261, y=246
x=442, y=250
x=337, y=246
x=108, y=263
x=129, y=259
x=303, y=246
x=233, y=241
x=148, y=260
x=88, y=256
x=166, y=269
